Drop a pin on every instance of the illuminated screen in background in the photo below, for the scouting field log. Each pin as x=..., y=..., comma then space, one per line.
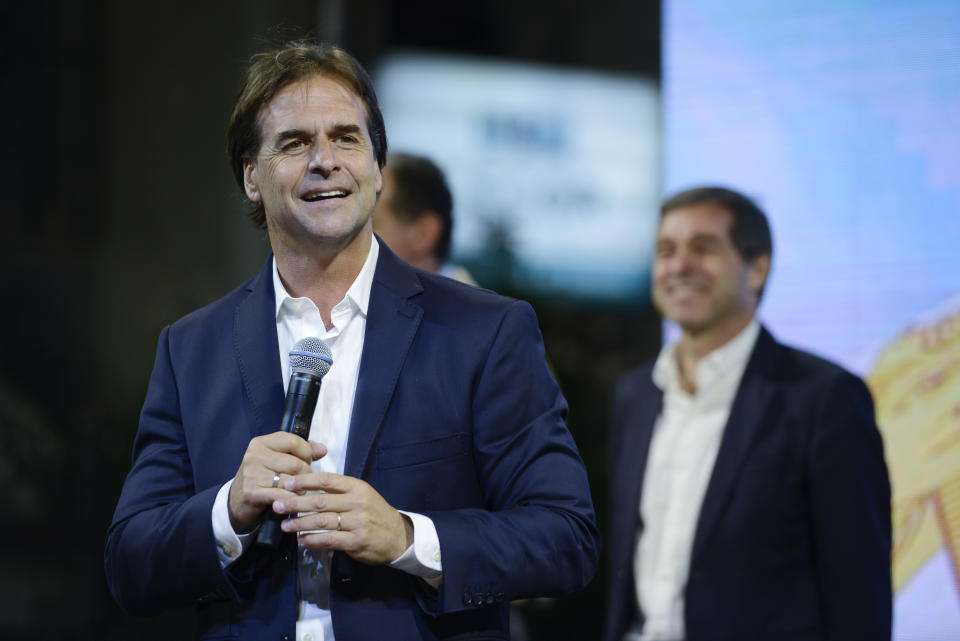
x=554, y=172
x=842, y=119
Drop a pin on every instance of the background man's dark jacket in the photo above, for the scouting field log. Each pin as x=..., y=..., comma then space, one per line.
x=793, y=537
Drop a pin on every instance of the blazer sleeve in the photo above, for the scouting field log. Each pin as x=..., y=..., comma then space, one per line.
x=160, y=549
x=851, y=514
x=537, y=534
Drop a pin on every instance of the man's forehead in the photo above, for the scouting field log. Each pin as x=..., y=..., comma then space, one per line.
x=319, y=94
x=697, y=220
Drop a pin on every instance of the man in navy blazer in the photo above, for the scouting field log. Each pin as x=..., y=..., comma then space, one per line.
x=749, y=495
x=446, y=436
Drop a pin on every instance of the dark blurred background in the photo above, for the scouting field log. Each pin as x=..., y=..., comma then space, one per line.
x=121, y=216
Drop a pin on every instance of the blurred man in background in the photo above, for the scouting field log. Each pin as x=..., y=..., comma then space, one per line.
x=414, y=215
x=439, y=481
x=749, y=494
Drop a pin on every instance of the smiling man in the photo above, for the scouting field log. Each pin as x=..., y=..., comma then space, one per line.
x=439, y=480
x=749, y=495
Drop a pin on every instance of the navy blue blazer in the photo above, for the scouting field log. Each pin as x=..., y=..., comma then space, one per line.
x=793, y=537
x=456, y=416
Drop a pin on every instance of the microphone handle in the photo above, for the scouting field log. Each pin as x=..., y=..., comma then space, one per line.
x=302, y=395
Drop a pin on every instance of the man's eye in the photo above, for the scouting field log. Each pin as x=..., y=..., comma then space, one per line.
x=704, y=248
x=293, y=145
x=348, y=139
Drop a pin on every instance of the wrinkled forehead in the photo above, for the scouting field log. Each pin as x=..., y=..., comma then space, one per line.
x=325, y=93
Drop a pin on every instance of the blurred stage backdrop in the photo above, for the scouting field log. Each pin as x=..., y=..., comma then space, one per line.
x=559, y=134
x=842, y=119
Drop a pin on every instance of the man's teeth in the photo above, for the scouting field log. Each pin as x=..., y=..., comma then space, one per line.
x=320, y=195
x=686, y=289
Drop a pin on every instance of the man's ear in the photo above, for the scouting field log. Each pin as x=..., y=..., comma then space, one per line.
x=429, y=227
x=759, y=270
x=250, y=180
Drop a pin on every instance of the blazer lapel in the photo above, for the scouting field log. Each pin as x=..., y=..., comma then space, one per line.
x=257, y=350
x=636, y=443
x=752, y=404
x=392, y=323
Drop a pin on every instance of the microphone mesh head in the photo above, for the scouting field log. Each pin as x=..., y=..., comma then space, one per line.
x=311, y=356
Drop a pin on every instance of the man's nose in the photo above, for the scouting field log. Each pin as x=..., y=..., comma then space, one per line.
x=323, y=158
x=681, y=261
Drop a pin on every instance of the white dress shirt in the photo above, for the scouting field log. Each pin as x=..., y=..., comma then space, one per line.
x=683, y=450
x=299, y=318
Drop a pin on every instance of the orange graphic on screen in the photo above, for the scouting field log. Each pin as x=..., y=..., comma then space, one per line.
x=916, y=386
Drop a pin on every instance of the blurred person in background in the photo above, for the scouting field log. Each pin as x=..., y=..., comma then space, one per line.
x=414, y=215
x=749, y=495
x=439, y=481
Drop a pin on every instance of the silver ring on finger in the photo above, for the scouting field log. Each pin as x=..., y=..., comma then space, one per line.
x=276, y=480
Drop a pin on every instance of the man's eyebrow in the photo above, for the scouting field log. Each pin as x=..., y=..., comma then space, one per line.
x=706, y=237
x=291, y=133
x=345, y=128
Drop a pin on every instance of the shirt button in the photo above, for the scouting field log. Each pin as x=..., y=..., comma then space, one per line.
x=436, y=555
x=308, y=637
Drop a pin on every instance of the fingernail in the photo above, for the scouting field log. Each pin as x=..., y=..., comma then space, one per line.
x=279, y=507
x=285, y=525
x=289, y=484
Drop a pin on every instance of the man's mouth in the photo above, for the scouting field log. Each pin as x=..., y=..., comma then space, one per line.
x=315, y=196
x=686, y=290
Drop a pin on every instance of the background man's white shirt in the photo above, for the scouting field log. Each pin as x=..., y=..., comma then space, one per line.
x=683, y=449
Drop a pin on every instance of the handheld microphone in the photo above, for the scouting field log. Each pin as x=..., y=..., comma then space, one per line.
x=310, y=360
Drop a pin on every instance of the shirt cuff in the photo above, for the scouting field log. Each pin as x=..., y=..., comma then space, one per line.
x=422, y=558
x=230, y=545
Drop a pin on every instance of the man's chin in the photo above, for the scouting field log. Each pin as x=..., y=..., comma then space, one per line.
x=689, y=322
x=313, y=240
x=685, y=314
x=324, y=233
